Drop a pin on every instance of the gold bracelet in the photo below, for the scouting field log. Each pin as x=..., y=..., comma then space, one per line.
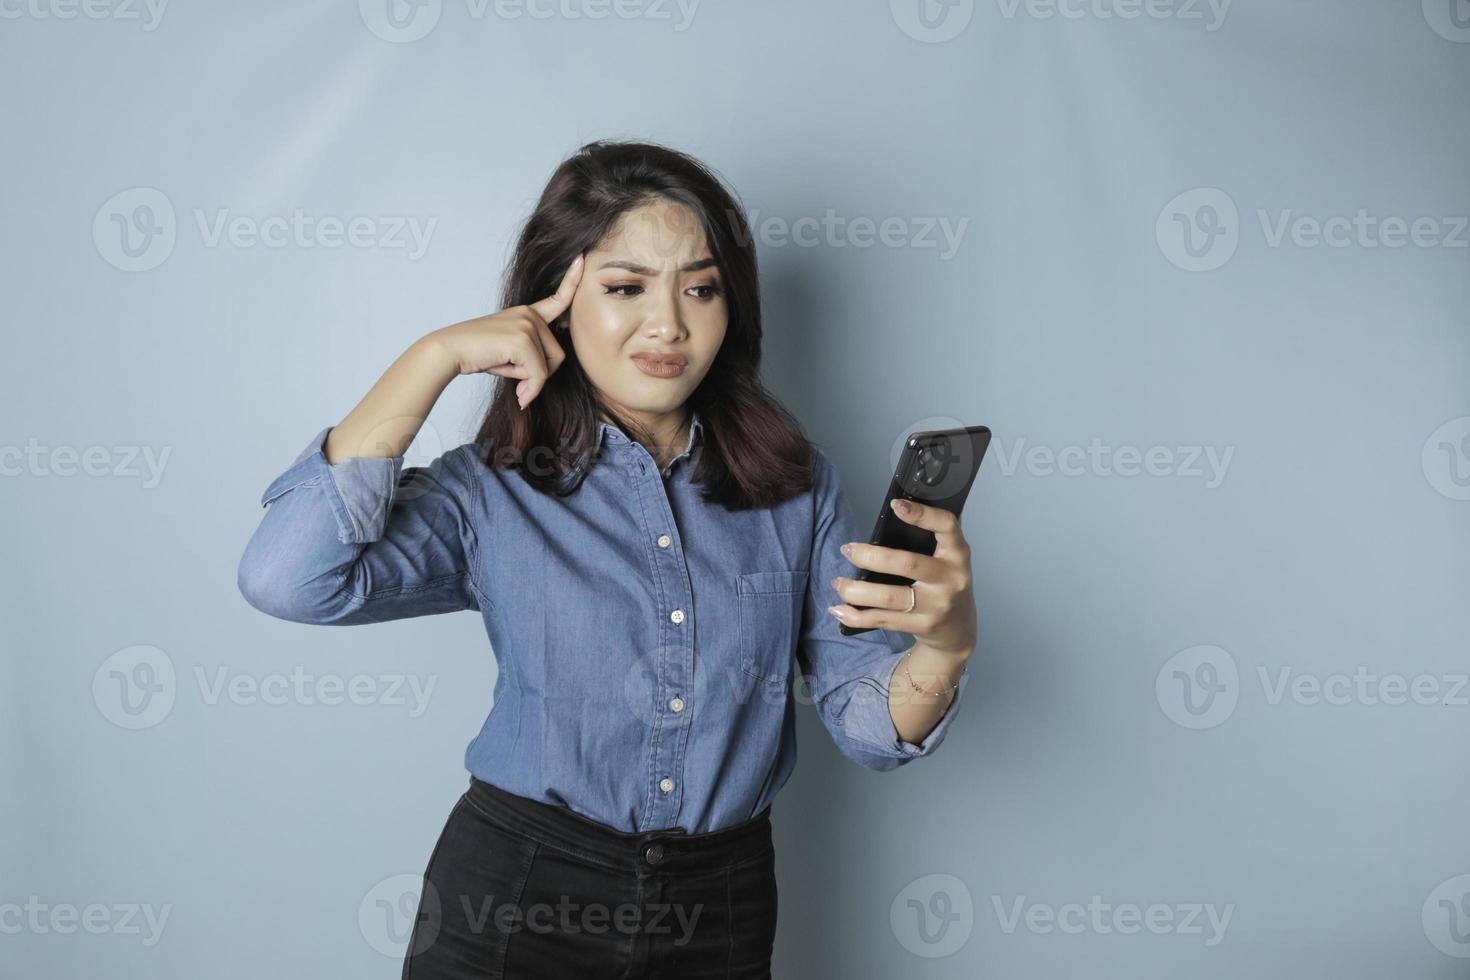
x=919, y=689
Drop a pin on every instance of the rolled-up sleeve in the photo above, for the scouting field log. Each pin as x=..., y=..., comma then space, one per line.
x=365, y=539
x=848, y=676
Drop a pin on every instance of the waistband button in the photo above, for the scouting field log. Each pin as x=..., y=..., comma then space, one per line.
x=653, y=853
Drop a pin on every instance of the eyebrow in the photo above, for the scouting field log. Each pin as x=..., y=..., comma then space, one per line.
x=644, y=270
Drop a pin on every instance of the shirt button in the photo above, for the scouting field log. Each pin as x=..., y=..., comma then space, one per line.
x=677, y=615
x=664, y=540
x=666, y=784
x=677, y=704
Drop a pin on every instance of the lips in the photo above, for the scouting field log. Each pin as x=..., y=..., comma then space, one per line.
x=661, y=365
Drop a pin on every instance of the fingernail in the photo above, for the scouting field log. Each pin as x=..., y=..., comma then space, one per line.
x=835, y=611
x=902, y=506
x=835, y=582
x=847, y=550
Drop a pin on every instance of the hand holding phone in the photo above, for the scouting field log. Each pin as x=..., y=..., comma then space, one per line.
x=937, y=469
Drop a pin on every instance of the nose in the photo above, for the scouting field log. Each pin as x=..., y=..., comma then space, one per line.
x=664, y=317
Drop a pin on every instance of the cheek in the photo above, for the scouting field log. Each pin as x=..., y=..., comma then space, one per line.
x=600, y=330
x=716, y=328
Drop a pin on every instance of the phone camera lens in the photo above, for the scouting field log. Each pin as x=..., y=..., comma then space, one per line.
x=930, y=467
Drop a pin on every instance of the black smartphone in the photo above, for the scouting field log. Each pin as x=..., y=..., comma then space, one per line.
x=937, y=469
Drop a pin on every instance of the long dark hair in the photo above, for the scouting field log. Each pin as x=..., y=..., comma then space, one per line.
x=754, y=452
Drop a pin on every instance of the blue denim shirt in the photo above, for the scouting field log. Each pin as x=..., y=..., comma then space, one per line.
x=647, y=643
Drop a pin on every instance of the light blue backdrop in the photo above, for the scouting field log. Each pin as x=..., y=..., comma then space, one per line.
x=1202, y=268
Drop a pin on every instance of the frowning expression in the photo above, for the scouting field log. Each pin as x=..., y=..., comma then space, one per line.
x=650, y=313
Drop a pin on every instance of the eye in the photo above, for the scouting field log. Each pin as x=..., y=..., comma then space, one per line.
x=614, y=289
x=713, y=291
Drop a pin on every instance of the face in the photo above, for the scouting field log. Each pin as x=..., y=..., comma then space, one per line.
x=650, y=287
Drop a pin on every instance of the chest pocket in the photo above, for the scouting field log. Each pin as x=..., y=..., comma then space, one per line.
x=770, y=621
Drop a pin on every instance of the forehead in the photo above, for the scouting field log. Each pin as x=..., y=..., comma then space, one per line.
x=657, y=234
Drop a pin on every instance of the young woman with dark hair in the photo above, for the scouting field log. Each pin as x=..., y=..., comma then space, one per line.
x=658, y=553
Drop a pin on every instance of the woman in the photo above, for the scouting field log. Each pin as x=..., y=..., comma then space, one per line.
x=651, y=542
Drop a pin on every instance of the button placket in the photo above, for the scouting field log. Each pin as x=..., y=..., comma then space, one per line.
x=669, y=740
x=676, y=703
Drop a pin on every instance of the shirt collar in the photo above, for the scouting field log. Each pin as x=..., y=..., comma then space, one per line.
x=696, y=431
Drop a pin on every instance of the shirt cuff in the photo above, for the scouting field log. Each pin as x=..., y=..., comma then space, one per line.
x=869, y=721
x=359, y=489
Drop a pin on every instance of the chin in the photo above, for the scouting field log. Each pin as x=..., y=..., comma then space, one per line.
x=669, y=402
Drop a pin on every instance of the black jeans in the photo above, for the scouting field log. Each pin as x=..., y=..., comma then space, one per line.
x=516, y=888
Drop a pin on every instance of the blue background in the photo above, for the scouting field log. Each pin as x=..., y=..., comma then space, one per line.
x=1115, y=185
